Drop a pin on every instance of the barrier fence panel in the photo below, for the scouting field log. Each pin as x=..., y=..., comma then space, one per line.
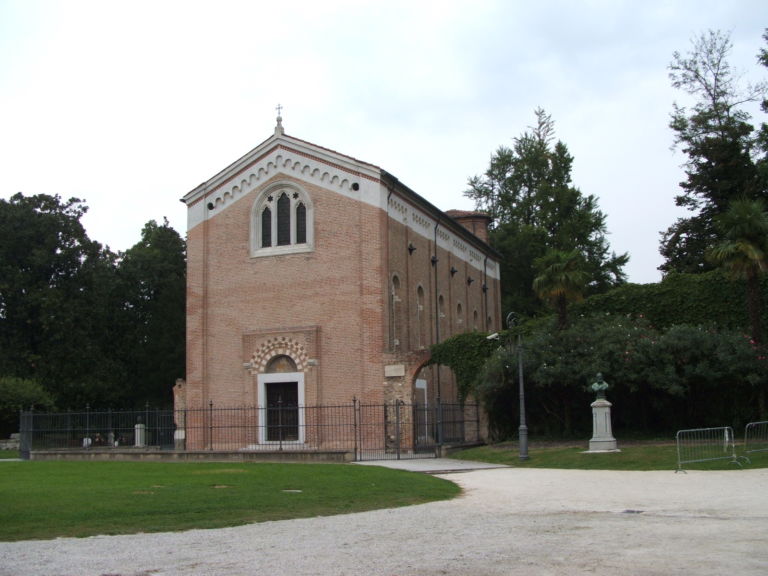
x=756, y=437
x=705, y=445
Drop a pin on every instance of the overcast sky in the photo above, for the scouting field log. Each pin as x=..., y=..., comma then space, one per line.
x=130, y=105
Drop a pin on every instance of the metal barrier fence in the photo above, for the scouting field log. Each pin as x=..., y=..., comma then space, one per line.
x=705, y=445
x=756, y=437
x=367, y=431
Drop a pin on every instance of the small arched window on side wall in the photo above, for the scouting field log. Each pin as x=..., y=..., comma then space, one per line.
x=395, y=306
x=282, y=221
x=421, y=319
x=443, y=332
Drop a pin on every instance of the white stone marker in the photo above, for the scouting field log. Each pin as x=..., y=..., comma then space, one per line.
x=602, y=435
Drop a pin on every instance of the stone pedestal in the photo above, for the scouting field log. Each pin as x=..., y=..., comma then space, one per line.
x=180, y=439
x=602, y=436
x=140, y=435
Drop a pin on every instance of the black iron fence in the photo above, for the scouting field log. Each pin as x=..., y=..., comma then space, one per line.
x=366, y=431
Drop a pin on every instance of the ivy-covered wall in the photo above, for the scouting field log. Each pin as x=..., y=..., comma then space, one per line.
x=680, y=299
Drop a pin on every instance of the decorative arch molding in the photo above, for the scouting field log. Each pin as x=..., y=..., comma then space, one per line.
x=279, y=346
x=288, y=161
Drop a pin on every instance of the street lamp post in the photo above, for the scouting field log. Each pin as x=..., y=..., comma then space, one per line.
x=523, y=429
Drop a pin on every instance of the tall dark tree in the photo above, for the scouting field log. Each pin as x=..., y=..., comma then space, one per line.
x=54, y=286
x=152, y=280
x=762, y=140
x=535, y=208
x=743, y=252
x=719, y=142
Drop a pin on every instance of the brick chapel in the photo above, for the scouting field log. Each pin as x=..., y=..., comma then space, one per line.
x=317, y=278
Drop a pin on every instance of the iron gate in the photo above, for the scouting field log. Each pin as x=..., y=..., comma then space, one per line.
x=412, y=430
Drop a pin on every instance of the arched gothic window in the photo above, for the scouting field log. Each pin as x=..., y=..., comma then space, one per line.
x=266, y=227
x=395, y=306
x=421, y=319
x=442, y=331
x=281, y=221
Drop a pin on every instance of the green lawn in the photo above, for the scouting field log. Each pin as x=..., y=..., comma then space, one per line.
x=44, y=500
x=633, y=456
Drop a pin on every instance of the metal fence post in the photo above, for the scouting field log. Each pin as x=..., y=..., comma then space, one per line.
x=87, y=441
x=26, y=429
x=147, y=440
x=110, y=431
x=210, y=425
x=477, y=423
x=280, y=421
x=356, y=426
x=397, y=428
x=439, y=423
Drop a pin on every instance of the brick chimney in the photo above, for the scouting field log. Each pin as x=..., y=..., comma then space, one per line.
x=475, y=222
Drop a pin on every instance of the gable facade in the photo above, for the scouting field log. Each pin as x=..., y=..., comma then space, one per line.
x=317, y=278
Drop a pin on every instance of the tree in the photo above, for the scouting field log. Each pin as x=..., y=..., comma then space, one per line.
x=762, y=140
x=743, y=252
x=18, y=394
x=152, y=317
x=534, y=207
x=716, y=136
x=53, y=306
x=561, y=278
x=85, y=324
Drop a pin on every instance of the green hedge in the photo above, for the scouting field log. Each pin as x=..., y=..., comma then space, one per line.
x=677, y=353
x=694, y=299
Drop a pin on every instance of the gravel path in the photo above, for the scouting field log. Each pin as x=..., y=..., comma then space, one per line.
x=508, y=522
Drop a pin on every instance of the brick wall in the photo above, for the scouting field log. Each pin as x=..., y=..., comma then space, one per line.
x=330, y=300
x=414, y=301
x=329, y=309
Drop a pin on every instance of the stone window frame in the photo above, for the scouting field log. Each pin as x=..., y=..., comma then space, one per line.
x=268, y=199
x=395, y=314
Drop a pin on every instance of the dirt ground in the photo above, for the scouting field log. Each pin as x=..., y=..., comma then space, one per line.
x=507, y=522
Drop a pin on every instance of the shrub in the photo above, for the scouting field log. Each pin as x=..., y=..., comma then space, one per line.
x=17, y=394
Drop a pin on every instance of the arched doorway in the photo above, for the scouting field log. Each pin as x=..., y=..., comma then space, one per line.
x=438, y=416
x=281, y=400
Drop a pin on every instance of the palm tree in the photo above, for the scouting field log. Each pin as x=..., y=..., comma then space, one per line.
x=743, y=252
x=560, y=279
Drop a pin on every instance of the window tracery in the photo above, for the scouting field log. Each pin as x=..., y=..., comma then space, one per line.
x=281, y=221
